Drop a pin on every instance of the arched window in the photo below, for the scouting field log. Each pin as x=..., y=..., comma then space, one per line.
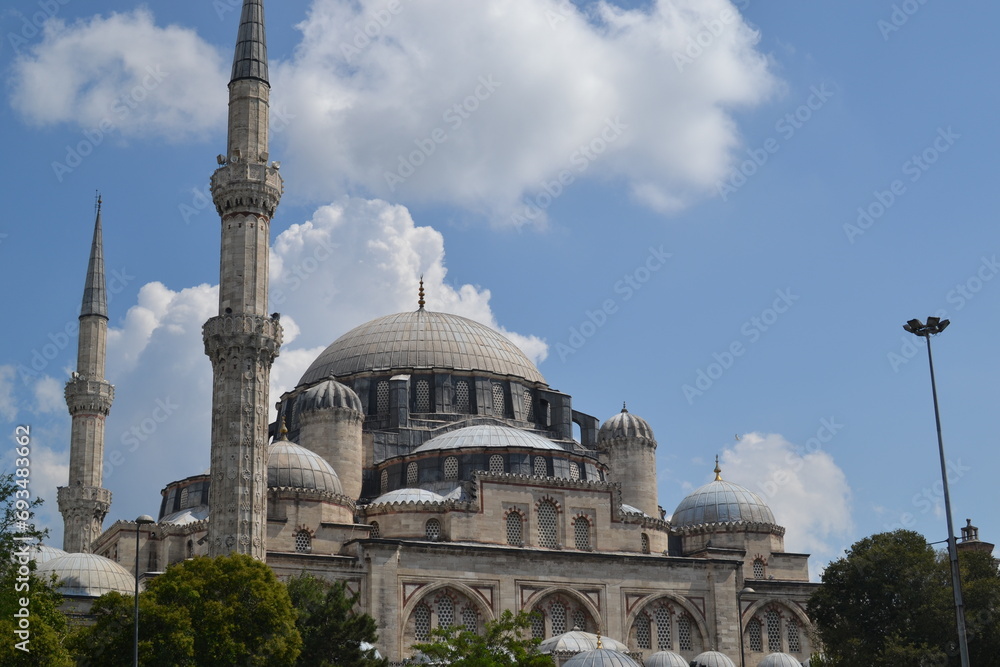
x=151, y=563
x=754, y=635
x=515, y=536
x=190, y=549
x=451, y=467
x=445, y=611
x=794, y=642
x=376, y=530
x=432, y=529
x=537, y=624
x=547, y=525
x=384, y=481
x=574, y=470
x=496, y=464
x=422, y=622
x=558, y=613
x=462, y=397
x=382, y=398
x=529, y=406
x=644, y=540
x=684, y=633
x=773, y=631
x=541, y=467
x=411, y=474
x=580, y=620
x=758, y=568
x=470, y=619
x=643, y=636
x=499, y=402
x=663, y=629
x=423, y=402
x=581, y=533
x=303, y=542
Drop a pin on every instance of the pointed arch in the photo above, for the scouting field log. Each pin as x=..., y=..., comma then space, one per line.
x=698, y=621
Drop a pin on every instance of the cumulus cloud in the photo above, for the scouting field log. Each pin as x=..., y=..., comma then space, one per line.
x=48, y=395
x=122, y=71
x=8, y=402
x=384, y=102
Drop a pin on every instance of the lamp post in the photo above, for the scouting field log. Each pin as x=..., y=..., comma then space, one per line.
x=143, y=520
x=934, y=326
x=746, y=590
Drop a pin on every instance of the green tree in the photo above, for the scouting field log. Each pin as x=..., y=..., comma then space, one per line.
x=332, y=630
x=229, y=610
x=46, y=631
x=889, y=602
x=506, y=642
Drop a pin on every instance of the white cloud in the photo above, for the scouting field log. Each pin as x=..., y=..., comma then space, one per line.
x=8, y=402
x=124, y=72
x=48, y=395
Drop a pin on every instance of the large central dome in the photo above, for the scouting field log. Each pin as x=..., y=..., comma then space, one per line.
x=421, y=340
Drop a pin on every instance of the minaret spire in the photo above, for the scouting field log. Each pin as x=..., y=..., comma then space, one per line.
x=84, y=502
x=243, y=340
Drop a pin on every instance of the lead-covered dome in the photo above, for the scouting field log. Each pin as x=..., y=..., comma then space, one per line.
x=327, y=395
x=486, y=436
x=87, y=575
x=712, y=659
x=625, y=425
x=577, y=641
x=421, y=339
x=721, y=502
x=601, y=657
x=293, y=466
x=779, y=660
x=665, y=659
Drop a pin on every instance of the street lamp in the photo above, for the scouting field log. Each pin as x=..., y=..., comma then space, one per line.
x=739, y=612
x=934, y=326
x=139, y=522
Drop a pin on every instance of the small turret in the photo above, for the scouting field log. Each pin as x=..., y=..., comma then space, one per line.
x=330, y=424
x=628, y=443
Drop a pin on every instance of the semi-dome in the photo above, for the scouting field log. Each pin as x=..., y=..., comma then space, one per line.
x=408, y=496
x=486, y=436
x=712, y=659
x=625, y=425
x=601, y=657
x=291, y=465
x=421, y=339
x=665, y=659
x=779, y=660
x=329, y=394
x=87, y=575
x=721, y=502
x=577, y=641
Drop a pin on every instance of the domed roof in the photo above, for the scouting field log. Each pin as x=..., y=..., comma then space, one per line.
x=408, y=496
x=291, y=465
x=421, y=339
x=186, y=516
x=87, y=575
x=721, y=502
x=666, y=659
x=329, y=394
x=577, y=641
x=43, y=553
x=625, y=425
x=712, y=659
x=601, y=657
x=486, y=436
x=779, y=660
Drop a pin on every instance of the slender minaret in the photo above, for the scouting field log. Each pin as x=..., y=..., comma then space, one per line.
x=84, y=503
x=243, y=340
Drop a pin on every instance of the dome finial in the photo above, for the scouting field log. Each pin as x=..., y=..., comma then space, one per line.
x=283, y=430
x=599, y=644
x=624, y=409
x=718, y=470
x=420, y=300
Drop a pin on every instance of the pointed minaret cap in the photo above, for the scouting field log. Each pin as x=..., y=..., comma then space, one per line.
x=718, y=470
x=95, y=296
x=250, y=59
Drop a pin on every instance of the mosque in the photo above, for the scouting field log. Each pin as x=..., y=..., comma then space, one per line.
x=423, y=459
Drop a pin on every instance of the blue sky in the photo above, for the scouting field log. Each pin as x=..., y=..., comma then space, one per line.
x=719, y=213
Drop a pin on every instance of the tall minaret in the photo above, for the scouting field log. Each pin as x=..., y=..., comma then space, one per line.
x=243, y=340
x=84, y=503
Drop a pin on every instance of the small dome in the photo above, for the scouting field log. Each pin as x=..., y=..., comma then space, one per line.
x=43, y=553
x=628, y=509
x=666, y=659
x=329, y=394
x=625, y=425
x=487, y=436
x=577, y=641
x=721, y=502
x=87, y=575
x=291, y=465
x=779, y=660
x=712, y=659
x=601, y=657
x=408, y=496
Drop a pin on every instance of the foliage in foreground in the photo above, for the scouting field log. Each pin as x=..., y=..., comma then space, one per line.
x=506, y=642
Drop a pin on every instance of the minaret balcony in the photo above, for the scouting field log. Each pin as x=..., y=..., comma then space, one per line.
x=89, y=395
x=241, y=331
x=246, y=187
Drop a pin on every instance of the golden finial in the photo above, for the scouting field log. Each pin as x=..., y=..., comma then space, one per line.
x=420, y=301
x=599, y=644
x=718, y=470
x=283, y=430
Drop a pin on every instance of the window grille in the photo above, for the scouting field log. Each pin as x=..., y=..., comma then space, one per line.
x=496, y=463
x=499, y=404
x=384, y=481
x=184, y=497
x=151, y=564
x=470, y=619
x=754, y=635
x=411, y=474
x=446, y=612
x=548, y=414
x=432, y=530
x=451, y=468
x=462, y=396
x=580, y=619
x=541, y=467
x=773, y=631
x=529, y=406
x=514, y=535
x=574, y=470
x=303, y=542
x=581, y=533
x=643, y=636
x=645, y=543
x=422, y=623
x=558, y=613
x=758, y=569
x=190, y=549
x=547, y=525
x=663, y=629
x=684, y=634
x=794, y=643
x=423, y=396
x=376, y=530
x=537, y=625
x=382, y=398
